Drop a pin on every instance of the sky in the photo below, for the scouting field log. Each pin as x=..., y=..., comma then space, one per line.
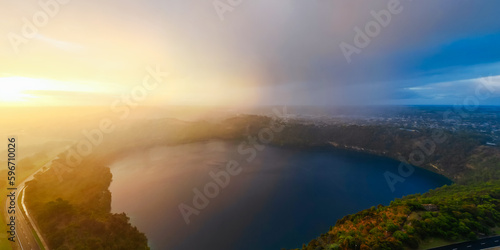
x=250, y=52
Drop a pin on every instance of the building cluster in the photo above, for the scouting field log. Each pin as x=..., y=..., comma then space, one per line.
x=485, y=121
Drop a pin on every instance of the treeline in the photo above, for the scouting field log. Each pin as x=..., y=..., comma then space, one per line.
x=445, y=152
x=74, y=212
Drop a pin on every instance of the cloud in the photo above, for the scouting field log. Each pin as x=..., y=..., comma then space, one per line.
x=484, y=89
x=288, y=49
x=67, y=46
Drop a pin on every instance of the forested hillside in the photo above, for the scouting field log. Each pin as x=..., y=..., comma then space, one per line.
x=74, y=212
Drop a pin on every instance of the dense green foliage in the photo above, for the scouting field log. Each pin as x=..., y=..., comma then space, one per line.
x=74, y=213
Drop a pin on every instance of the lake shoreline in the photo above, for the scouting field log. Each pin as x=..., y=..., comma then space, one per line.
x=312, y=181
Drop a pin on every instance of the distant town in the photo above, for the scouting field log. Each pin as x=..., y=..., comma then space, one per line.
x=483, y=120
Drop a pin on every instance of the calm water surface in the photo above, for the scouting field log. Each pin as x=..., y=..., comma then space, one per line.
x=281, y=199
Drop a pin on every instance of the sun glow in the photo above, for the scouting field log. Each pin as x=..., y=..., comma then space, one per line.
x=28, y=91
x=13, y=89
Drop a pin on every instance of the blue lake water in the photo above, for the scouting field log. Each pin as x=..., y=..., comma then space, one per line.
x=281, y=199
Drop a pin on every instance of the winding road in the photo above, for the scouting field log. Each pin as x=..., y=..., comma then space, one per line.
x=472, y=245
x=25, y=228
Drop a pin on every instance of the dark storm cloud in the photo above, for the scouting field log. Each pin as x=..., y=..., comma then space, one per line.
x=296, y=44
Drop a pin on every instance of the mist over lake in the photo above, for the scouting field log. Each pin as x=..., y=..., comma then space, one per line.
x=283, y=198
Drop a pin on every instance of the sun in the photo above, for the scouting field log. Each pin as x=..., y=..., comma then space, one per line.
x=25, y=90
x=18, y=90
x=14, y=89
